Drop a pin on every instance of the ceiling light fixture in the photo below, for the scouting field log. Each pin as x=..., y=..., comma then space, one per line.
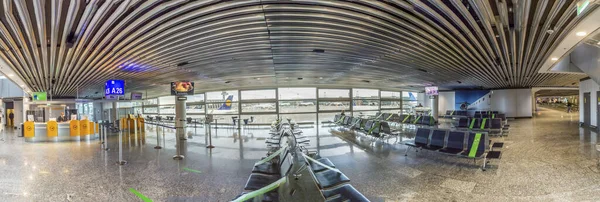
x=581, y=33
x=258, y=78
x=598, y=43
x=554, y=59
x=11, y=75
x=320, y=77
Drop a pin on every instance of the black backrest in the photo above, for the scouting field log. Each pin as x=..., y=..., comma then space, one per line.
x=487, y=116
x=376, y=127
x=385, y=128
x=363, y=123
x=378, y=114
x=483, y=141
x=496, y=123
x=368, y=125
x=336, y=118
x=347, y=120
x=403, y=116
x=456, y=140
x=488, y=123
x=426, y=120
x=422, y=135
x=477, y=123
x=384, y=116
x=286, y=165
x=438, y=138
x=463, y=122
x=494, y=112
x=448, y=112
x=502, y=116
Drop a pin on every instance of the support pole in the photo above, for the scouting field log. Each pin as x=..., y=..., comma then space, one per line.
x=180, y=124
x=157, y=140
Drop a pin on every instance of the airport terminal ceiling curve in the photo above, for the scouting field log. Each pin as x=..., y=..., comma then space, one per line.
x=72, y=47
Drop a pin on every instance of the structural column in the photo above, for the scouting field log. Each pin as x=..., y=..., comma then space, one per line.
x=434, y=106
x=180, y=125
x=114, y=117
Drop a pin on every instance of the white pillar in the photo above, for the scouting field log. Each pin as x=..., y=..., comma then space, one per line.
x=434, y=104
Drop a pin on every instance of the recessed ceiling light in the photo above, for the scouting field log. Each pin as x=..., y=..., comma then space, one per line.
x=598, y=43
x=554, y=59
x=22, y=85
x=258, y=78
x=580, y=33
x=11, y=75
x=320, y=77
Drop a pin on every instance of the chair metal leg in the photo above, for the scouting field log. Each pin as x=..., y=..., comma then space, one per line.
x=408, y=148
x=484, y=163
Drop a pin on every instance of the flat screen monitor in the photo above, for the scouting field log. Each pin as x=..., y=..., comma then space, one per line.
x=114, y=87
x=182, y=88
x=136, y=96
x=39, y=96
x=431, y=90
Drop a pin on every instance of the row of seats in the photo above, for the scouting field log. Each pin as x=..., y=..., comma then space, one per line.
x=459, y=143
x=450, y=113
x=406, y=119
x=371, y=127
x=495, y=125
x=334, y=185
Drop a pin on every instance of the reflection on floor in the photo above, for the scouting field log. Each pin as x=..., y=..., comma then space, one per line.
x=544, y=158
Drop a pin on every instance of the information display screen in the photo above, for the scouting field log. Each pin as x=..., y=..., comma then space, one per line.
x=136, y=96
x=114, y=87
x=182, y=88
x=39, y=96
x=431, y=90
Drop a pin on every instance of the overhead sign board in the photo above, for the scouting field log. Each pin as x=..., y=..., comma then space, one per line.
x=182, y=88
x=136, y=96
x=431, y=90
x=39, y=96
x=114, y=87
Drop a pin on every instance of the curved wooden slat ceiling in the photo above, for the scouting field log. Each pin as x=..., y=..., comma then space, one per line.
x=69, y=47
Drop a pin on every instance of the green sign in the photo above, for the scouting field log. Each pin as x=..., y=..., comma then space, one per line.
x=581, y=5
x=39, y=96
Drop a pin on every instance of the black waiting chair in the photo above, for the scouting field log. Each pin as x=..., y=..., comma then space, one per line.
x=481, y=149
x=330, y=178
x=455, y=143
x=257, y=180
x=344, y=193
x=438, y=140
x=463, y=122
x=318, y=168
x=385, y=129
x=421, y=139
x=271, y=168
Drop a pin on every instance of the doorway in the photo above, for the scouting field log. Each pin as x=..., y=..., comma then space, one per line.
x=586, y=109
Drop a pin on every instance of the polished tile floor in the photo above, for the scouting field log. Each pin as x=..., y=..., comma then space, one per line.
x=546, y=158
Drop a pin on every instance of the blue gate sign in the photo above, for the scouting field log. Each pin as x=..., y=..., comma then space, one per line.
x=114, y=87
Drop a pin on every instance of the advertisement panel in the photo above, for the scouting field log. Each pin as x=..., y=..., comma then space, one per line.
x=182, y=88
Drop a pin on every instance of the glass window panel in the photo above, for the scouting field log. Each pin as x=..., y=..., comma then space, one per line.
x=258, y=107
x=364, y=114
x=365, y=93
x=195, y=98
x=334, y=93
x=223, y=120
x=395, y=111
x=222, y=108
x=166, y=100
x=221, y=96
x=324, y=106
x=169, y=109
x=365, y=105
x=150, y=101
x=391, y=94
x=312, y=117
x=194, y=109
x=329, y=116
x=297, y=106
x=260, y=119
x=258, y=94
x=150, y=110
x=119, y=105
x=297, y=93
x=390, y=104
x=409, y=96
x=137, y=110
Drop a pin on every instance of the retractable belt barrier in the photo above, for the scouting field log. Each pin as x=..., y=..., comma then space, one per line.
x=475, y=145
x=271, y=156
x=321, y=164
x=262, y=191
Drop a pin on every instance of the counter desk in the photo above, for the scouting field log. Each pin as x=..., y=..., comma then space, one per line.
x=51, y=131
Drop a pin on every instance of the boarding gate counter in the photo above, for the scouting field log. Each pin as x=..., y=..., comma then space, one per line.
x=52, y=131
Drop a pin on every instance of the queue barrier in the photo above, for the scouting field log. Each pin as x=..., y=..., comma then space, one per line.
x=52, y=129
x=84, y=127
x=29, y=129
x=74, y=127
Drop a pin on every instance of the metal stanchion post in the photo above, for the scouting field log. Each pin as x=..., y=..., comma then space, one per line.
x=105, y=135
x=121, y=161
x=210, y=146
x=157, y=141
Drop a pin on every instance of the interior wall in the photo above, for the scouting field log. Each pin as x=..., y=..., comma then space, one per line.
x=446, y=102
x=10, y=89
x=512, y=102
x=592, y=87
x=18, y=112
